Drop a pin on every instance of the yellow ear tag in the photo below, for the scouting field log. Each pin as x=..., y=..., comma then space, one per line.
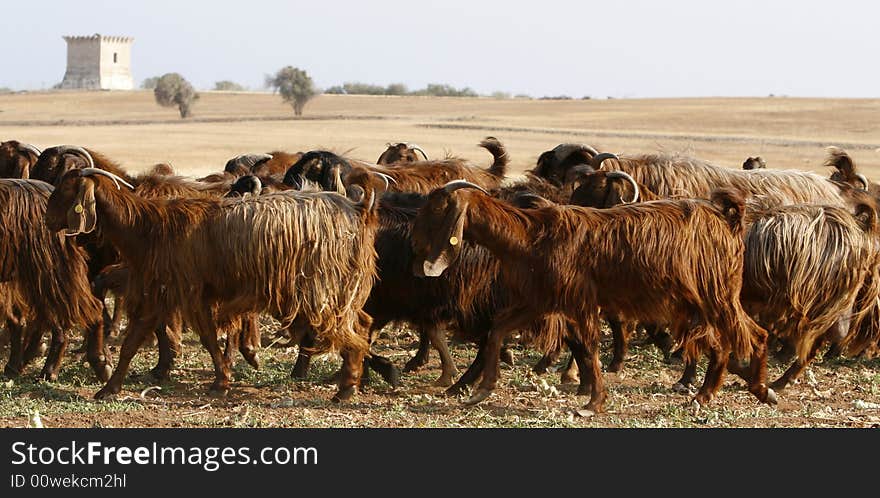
x=78, y=209
x=453, y=240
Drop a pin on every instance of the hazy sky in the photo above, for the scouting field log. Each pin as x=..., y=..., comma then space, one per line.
x=616, y=48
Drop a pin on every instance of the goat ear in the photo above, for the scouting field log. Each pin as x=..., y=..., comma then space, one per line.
x=81, y=217
x=867, y=217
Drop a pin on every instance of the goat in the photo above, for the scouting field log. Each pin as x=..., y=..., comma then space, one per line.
x=46, y=279
x=403, y=152
x=756, y=162
x=553, y=165
x=803, y=267
x=678, y=176
x=307, y=255
x=574, y=261
x=17, y=159
x=331, y=171
x=54, y=162
x=845, y=171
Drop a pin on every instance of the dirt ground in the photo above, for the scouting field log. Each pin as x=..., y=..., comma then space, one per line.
x=837, y=393
x=129, y=127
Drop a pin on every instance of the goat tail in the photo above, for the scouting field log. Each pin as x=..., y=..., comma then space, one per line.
x=499, y=156
x=732, y=206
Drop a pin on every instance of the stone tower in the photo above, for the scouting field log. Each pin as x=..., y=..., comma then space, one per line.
x=98, y=62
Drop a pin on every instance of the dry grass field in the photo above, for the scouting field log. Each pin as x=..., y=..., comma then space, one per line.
x=130, y=127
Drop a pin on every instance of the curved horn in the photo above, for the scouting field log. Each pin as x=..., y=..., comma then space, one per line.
x=101, y=172
x=385, y=177
x=29, y=148
x=416, y=147
x=597, y=160
x=460, y=184
x=625, y=176
x=862, y=178
x=590, y=149
x=63, y=149
x=257, y=186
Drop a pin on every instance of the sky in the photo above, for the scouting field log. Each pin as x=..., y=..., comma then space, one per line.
x=623, y=49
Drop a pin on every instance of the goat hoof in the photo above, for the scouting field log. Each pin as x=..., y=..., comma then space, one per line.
x=11, y=372
x=568, y=378
x=507, y=356
x=160, y=374
x=445, y=380
x=253, y=361
x=702, y=399
x=107, y=392
x=104, y=373
x=480, y=395
x=779, y=384
x=771, y=398
x=344, y=394
x=48, y=376
x=219, y=389
x=414, y=364
x=456, y=390
x=680, y=388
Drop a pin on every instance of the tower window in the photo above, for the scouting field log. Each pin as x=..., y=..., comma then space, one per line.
x=114, y=57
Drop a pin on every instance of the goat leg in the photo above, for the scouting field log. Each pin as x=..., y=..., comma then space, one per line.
x=549, y=358
x=421, y=357
x=15, y=364
x=620, y=332
x=471, y=374
x=134, y=337
x=714, y=376
x=56, y=355
x=447, y=365
x=796, y=368
x=97, y=353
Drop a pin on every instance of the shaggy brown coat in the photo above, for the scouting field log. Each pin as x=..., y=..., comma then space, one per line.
x=574, y=261
x=302, y=254
x=46, y=277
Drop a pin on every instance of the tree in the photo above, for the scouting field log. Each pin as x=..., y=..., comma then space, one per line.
x=294, y=85
x=173, y=90
x=149, y=83
x=228, y=86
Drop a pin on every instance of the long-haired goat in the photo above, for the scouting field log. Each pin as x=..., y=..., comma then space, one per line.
x=48, y=274
x=403, y=152
x=331, y=171
x=803, y=269
x=17, y=159
x=307, y=255
x=575, y=261
x=846, y=171
x=671, y=176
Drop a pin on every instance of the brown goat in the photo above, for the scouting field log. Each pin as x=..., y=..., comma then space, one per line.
x=403, y=152
x=17, y=159
x=331, y=171
x=846, y=171
x=47, y=279
x=54, y=162
x=756, y=162
x=574, y=261
x=265, y=267
x=804, y=266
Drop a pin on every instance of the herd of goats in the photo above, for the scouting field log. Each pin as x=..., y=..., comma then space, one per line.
x=704, y=259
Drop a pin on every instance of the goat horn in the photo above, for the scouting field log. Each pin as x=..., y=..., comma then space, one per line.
x=625, y=176
x=416, y=147
x=459, y=184
x=62, y=149
x=30, y=148
x=101, y=172
x=597, y=160
x=257, y=187
x=387, y=179
x=862, y=178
